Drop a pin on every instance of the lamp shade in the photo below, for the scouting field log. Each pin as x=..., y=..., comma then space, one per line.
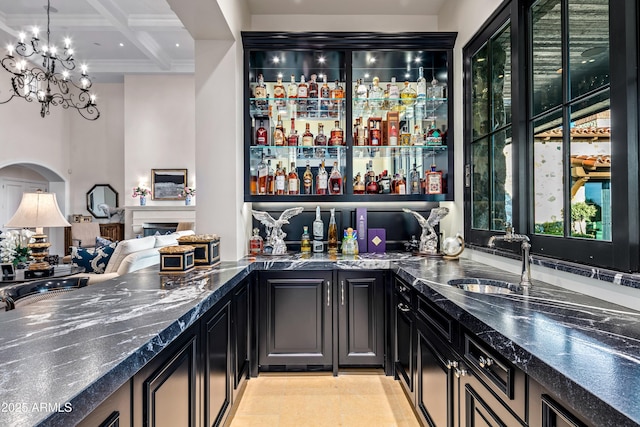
x=38, y=210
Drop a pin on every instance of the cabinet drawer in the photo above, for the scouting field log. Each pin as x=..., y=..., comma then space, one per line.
x=404, y=292
x=440, y=321
x=504, y=379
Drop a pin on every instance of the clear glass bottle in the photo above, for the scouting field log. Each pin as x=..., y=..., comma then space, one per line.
x=393, y=134
x=305, y=241
x=307, y=180
x=375, y=136
x=294, y=180
x=401, y=184
x=394, y=94
x=292, y=140
x=256, y=243
x=335, y=180
x=414, y=178
x=376, y=95
x=408, y=95
x=318, y=233
x=332, y=234
x=322, y=180
x=422, y=87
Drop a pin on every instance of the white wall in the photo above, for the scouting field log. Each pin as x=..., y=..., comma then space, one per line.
x=159, y=131
x=377, y=23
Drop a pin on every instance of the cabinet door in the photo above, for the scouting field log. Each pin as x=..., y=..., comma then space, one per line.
x=217, y=366
x=435, y=379
x=405, y=344
x=165, y=392
x=115, y=411
x=361, y=318
x=295, y=320
x=480, y=407
x=240, y=324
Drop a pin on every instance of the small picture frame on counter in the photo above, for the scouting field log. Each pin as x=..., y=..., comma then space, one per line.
x=8, y=271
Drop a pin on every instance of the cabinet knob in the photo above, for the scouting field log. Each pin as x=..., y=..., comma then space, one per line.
x=460, y=372
x=485, y=362
x=403, y=308
x=451, y=364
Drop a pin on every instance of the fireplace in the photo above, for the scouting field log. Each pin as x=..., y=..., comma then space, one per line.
x=153, y=228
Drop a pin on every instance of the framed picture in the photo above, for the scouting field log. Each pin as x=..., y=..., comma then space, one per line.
x=166, y=184
x=7, y=271
x=76, y=218
x=87, y=218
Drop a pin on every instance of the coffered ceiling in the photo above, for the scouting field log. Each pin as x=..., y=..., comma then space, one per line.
x=117, y=37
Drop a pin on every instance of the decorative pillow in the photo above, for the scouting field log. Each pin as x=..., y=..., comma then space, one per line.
x=93, y=260
x=101, y=241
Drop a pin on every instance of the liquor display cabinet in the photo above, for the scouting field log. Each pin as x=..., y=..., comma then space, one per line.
x=348, y=116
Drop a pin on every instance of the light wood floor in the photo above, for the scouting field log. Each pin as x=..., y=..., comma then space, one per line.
x=300, y=400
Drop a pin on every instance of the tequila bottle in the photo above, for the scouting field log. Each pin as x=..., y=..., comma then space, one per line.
x=293, y=181
x=322, y=180
x=318, y=233
x=335, y=180
x=422, y=95
x=360, y=97
x=307, y=180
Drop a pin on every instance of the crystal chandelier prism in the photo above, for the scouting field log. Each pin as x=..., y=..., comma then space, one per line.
x=43, y=73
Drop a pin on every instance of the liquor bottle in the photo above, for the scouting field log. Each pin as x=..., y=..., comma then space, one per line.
x=433, y=180
x=422, y=86
x=360, y=97
x=312, y=103
x=321, y=138
x=394, y=94
x=407, y=94
x=318, y=233
x=433, y=136
x=401, y=184
x=416, y=136
x=332, y=234
x=356, y=125
x=385, y=102
x=325, y=94
x=270, y=178
x=393, y=134
x=292, y=140
x=374, y=134
x=262, y=137
x=414, y=177
x=384, y=183
x=305, y=242
x=307, y=180
x=279, y=93
x=263, y=177
x=435, y=90
x=376, y=94
x=293, y=181
x=358, y=184
x=303, y=95
x=260, y=93
x=337, y=100
x=372, y=186
x=292, y=95
x=256, y=244
x=362, y=133
x=337, y=136
x=278, y=133
x=322, y=180
x=335, y=180
x=307, y=137
x=280, y=180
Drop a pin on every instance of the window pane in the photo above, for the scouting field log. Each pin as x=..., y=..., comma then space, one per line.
x=547, y=55
x=502, y=183
x=548, y=175
x=588, y=45
x=591, y=169
x=501, y=81
x=480, y=93
x=480, y=184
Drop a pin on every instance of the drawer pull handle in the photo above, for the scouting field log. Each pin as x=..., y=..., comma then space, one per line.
x=403, y=308
x=342, y=291
x=451, y=364
x=460, y=372
x=485, y=362
x=328, y=293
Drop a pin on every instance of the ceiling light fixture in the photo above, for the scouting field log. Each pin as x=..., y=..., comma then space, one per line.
x=41, y=73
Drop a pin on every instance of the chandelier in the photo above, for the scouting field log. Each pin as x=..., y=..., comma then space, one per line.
x=42, y=73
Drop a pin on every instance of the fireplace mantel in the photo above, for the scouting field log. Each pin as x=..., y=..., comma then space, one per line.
x=137, y=216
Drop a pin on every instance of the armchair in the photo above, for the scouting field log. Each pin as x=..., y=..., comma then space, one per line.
x=83, y=234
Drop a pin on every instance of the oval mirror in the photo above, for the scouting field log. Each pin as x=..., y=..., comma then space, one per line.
x=101, y=194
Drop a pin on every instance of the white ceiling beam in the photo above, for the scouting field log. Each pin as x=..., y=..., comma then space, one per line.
x=141, y=40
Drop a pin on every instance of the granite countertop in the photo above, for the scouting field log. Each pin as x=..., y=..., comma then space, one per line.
x=63, y=356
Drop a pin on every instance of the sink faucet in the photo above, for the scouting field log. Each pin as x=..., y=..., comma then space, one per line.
x=511, y=237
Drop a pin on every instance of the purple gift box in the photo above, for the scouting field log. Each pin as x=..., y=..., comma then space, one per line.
x=361, y=228
x=377, y=240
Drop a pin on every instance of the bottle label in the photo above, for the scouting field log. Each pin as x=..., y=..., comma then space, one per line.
x=261, y=92
x=302, y=92
x=280, y=183
x=293, y=186
x=336, y=137
x=307, y=141
x=322, y=182
x=278, y=92
x=278, y=137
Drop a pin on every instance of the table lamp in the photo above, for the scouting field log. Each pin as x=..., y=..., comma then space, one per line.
x=38, y=210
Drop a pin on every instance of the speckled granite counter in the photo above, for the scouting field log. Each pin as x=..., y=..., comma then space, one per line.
x=71, y=352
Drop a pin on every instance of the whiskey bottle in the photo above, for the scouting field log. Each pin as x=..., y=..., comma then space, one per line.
x=384, y=183
x=337, y=136
x=256, y=243
x=335, y=180
x=260, y=93
x=322, y=180
x=401, y=184
x=371, y=184
x=305, y=242
x=307, y=180
x=292, y=95
x=262, y=137
x=292, y=140
x=280, y=180
x=312, y=103
x=293, y=181
x=303, y=94
x=358, y=184
x=270, y=178
x=307, y=137
x=279, y=93
x=332, y=234
x=321, y=138
x=263, y=177
x=278, y=133
x=325, y=94
x=337, y=100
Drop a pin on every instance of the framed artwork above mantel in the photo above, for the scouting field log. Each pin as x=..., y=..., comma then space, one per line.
x=166, y=184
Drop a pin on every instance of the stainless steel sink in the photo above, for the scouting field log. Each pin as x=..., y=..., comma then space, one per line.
x=484, y=286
